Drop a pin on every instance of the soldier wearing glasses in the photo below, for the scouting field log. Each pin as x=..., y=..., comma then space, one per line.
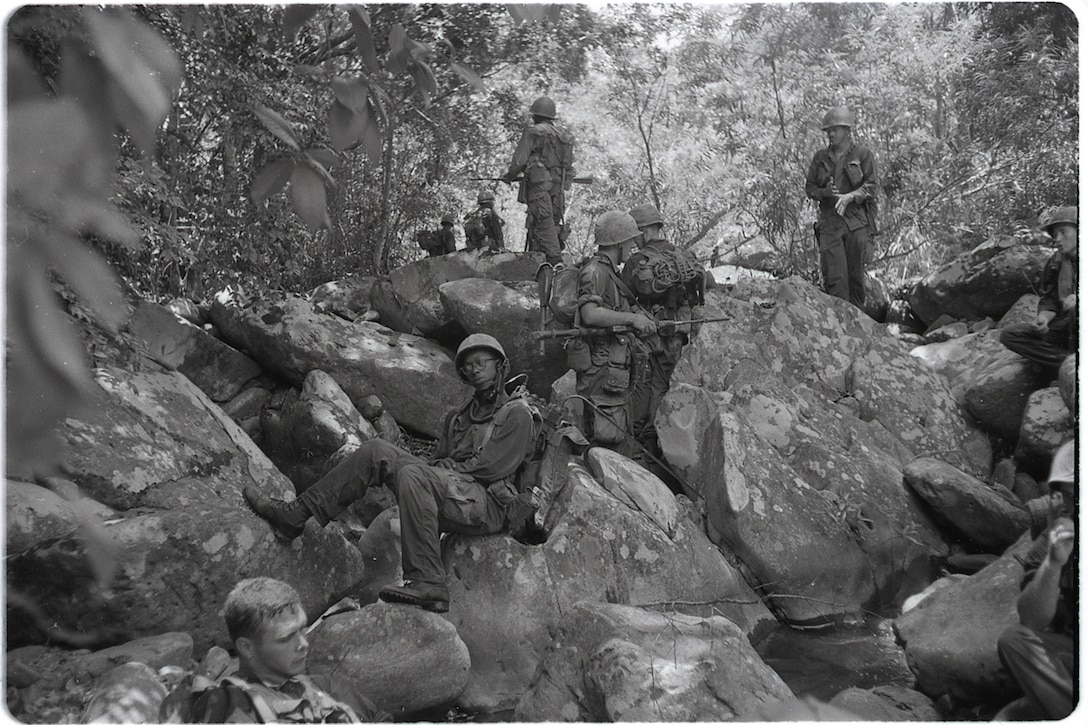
x=467, y=487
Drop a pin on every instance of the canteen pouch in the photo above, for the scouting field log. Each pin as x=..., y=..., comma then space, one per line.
x=578, y=357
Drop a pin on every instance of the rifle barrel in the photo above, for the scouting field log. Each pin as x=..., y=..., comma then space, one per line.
x=615, y=329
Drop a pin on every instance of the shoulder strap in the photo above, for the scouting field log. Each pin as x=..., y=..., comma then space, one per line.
x=260, y=706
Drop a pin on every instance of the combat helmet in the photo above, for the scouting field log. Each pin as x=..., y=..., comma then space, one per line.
x=447, y=219
x=1061, y=215
x=615, y=227
x=839, y=116
x=1063, y=466
x=646, y=215
x=478, y=341
x=543, y=106
x=485, y=195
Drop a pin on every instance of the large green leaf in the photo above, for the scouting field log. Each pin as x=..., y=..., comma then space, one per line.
x=308, y=197
x=295, y=16
x=469, y=75
x=278, y=125
x=271, y=180
x=142, y=67
x=346, y=127
x=47, y=142
x=88, y=274
x=364, y=38
x=352, y=92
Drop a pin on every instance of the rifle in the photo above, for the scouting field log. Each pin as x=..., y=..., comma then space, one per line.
x=575, y=180
x=615, y=329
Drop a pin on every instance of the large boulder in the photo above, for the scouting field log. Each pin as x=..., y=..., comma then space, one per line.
x=348, y=297
x=984, y=517
x=799, y=464
x=509, y=311
x=172, y=535
x=216, y=368
x=292, y=337
x=959, y=360
x=404, y=659
x=313, y=430
x=506, y=597
x=984, y=282
x=886, y=703
x=412, y=301
x=998, y=394
x=950, y=637
x=1046, y=424
x=614, y=663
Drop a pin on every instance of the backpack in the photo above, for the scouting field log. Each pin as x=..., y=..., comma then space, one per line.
x=542, y=478
x=475, y=232
x=563, y=300
x=557, y=155
x=427, y=240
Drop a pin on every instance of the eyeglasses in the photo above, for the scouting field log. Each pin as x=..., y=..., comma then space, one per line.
x=471, y=366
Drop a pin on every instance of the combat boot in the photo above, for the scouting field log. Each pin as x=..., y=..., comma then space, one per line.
x=432, y=597
x=288, y=518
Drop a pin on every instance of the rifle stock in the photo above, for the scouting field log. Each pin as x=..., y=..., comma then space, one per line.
x=615, y=329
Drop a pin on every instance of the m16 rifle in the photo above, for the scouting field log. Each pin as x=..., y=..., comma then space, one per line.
x=519, y=179
x=616, y=329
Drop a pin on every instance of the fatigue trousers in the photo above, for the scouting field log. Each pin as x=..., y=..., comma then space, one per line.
x=646, y=395
x=1045, y=347
x=843, y=255
x=544, y=210
x=431, y=500
x=1042, y=663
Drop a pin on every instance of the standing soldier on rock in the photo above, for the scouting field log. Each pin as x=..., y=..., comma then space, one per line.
x=842, y=180
x=606, y=365
x=483, y=226
x=544, y=162
x=669, y=284
x=470, y=486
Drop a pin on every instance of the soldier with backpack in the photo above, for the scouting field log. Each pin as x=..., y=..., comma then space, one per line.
x=607, y=365
x=668, y=283
x=439, y=241
x=483, y=225
x=474, y=483
x=544, y=163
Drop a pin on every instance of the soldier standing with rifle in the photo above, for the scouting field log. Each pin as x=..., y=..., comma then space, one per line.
x=669, y=284
x=607, y=364
x=842, y=180
x=544, y=159
x=483, y=226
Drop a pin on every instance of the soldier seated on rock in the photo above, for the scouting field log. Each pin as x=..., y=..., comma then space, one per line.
x=469, y=487
x=1040, y=652
x=266, y=622
x=1052, y=335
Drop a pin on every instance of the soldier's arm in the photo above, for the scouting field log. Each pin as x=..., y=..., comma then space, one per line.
x=521, y=155
x=812, y=188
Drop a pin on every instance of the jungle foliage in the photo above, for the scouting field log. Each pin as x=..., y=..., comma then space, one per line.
x=281, y=147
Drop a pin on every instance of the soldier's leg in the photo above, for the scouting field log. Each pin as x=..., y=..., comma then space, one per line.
x=376, y=462
x=1044, y=347
x=857, y=256
x=433, y=500
x=1042, y=664
x=833, y=258
x=545, y=234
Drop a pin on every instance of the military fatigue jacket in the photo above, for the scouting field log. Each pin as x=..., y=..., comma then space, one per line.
x=854, y=170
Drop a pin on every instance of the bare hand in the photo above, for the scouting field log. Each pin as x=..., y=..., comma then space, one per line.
x=645, y=325
x=1069, y=302
x=1040, y=323
x=842, y=201
x=1063, y=534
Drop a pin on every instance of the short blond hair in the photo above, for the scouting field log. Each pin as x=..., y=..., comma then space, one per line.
x=255, y=602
